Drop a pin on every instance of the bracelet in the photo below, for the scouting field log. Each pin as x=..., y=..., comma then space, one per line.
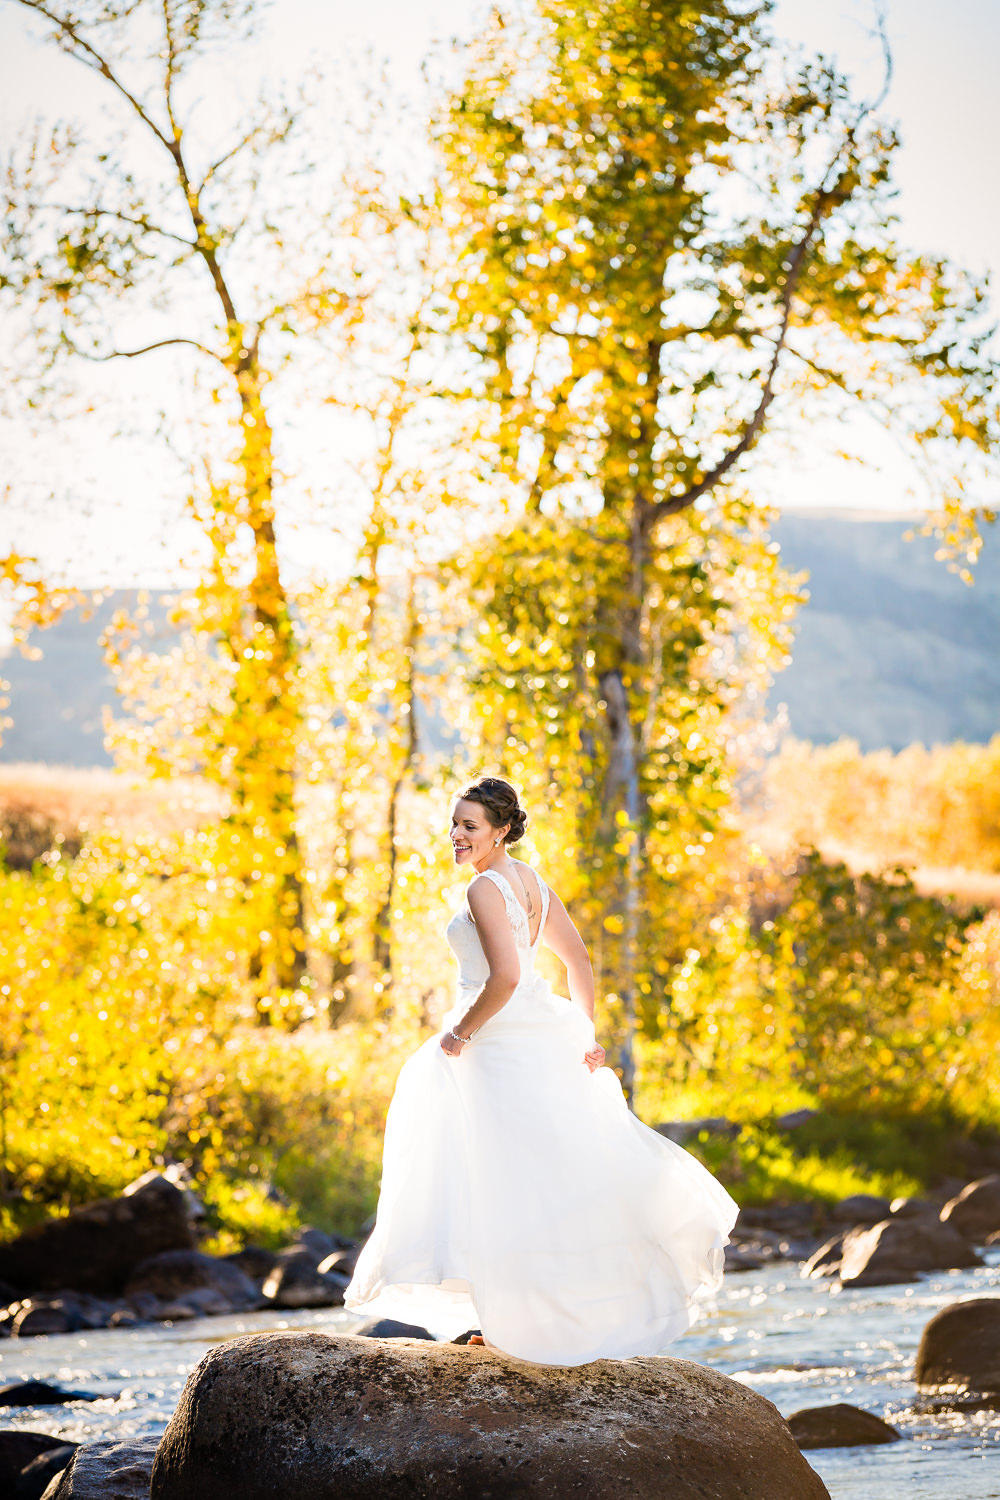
x=458, y=1038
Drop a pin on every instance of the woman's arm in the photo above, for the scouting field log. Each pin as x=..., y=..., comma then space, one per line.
x=561, y=936
x=497, y=937
x=566, y=943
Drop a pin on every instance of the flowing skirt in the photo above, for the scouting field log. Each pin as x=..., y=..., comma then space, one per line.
x=520, y=1195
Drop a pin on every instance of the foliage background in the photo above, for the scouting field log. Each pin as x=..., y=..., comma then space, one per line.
x=564, y=336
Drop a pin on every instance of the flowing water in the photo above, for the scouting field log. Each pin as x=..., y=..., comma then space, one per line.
x=800, y=1343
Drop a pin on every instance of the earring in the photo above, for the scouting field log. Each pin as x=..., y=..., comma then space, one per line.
x=495, y=842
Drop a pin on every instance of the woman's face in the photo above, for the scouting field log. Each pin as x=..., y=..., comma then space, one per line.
x=472, y=833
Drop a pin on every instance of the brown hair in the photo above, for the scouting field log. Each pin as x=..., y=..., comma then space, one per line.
x=499, y=800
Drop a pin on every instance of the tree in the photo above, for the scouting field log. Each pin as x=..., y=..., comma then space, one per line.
x=671, y=247
x=218, y=247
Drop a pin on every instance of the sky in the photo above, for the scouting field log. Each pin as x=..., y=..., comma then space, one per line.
x=92, y=509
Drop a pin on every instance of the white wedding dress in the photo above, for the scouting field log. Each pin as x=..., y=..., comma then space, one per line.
x=521, y=1196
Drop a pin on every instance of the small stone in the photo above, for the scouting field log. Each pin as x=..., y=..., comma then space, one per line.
x=388, y=1328
x=122, y=1318
x=36, y=1318
x=840, y=1426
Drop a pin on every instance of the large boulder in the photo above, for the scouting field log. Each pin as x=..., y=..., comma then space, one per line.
x=180, y=1178
x=316, y=1416
x=976, y=1211
x=960, y=1350
x=94, y=1248
x=899, y=1250
x=839, y=1426
x=106, y=1470
x=173, y=1273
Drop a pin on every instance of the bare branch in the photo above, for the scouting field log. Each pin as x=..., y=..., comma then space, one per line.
x=825, y=198
x=113, y=213
x=794, y=264
x=159, y=344
x=92, y=59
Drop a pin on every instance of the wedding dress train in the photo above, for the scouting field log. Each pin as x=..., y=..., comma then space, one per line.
x=520, y=1195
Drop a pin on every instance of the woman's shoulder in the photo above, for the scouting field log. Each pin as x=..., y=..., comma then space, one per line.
x=542, y=883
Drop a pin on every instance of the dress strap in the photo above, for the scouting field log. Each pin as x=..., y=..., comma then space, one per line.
x=516, y=913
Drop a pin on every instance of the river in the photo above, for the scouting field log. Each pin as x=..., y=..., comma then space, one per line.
x=800, y=1343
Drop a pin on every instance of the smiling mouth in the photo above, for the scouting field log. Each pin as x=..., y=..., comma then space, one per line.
x=461, y=848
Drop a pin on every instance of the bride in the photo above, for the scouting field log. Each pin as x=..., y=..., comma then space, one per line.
x=519, y=1193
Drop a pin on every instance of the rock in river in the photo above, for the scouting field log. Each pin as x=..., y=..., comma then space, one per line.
x=35, y=1479
x=173, y=1273
x=296, y=1281
x=40, y=1393
x=976, y=1211
x=18, y=1449
x=93, y=1249
x=898, y=1250
x=860, y=1208
x=313, y=1416
x=839, y=1426
x=960, y=1350
x=107, y=1470
x=826, y=1260
x=388, y=1328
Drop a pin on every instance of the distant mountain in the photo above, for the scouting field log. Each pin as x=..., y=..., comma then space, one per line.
x=891, y=648
x=57, y=703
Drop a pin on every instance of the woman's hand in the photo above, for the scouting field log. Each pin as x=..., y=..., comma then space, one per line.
x=451, y=1044
x=595, y=1057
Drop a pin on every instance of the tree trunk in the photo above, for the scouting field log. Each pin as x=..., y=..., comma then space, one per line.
x=266, y=688
x=622, y=821
x=382, y=946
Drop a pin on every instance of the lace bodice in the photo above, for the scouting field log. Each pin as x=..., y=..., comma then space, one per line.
x=464, y=939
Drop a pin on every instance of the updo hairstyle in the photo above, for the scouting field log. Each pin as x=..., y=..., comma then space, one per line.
x=499, y=800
